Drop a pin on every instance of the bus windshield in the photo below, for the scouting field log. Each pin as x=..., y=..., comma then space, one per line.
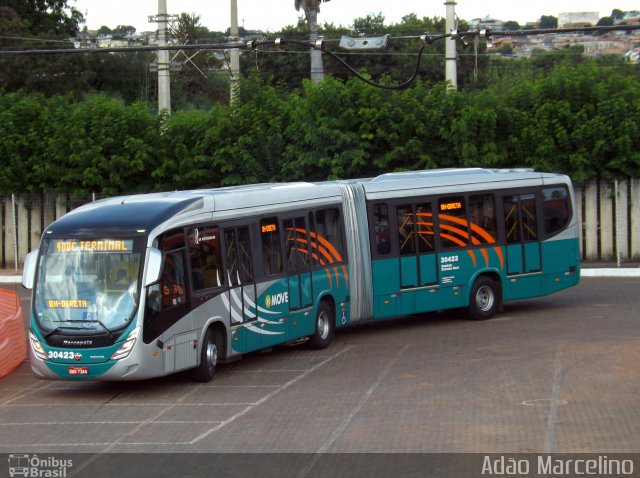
x=87, y=287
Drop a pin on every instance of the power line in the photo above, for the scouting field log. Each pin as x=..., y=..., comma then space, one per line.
x=35, y=39
x=281, y=44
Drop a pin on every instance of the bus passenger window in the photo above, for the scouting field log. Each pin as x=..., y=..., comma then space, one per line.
x=296, y=245
x=511, y=218
x=238, y=252
x=244, y=255
x=482, y=213
x=326, y=239
x=555, y=204
x=405, y=229
x=271, y=251
x=424, y=226
x=529, y=218
x=452, y=217
x=172, y=284
x=520, y=220
x=381, y=228
x=205, y=257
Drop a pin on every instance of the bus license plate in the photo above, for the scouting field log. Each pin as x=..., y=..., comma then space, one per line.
x=78, y=370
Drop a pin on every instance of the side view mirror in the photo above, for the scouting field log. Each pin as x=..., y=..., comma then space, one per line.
x=29, y=270
x=154, y=266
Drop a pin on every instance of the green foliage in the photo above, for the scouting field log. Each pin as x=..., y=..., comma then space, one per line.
x=47, y=17
x=397, y=61
x=606, y=22
x=57, y=144
x=511, y=25
x=554, y=114
x=40, y=24
x=548, y=21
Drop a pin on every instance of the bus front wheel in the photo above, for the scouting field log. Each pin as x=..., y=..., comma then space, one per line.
x=208, y=358
x=324, y=327
x=485, y=298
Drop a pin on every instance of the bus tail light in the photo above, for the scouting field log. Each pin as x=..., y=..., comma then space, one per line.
x=37, y=348
x=125, y=349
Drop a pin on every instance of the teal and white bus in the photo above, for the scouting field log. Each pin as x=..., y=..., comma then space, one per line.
x=141, y=286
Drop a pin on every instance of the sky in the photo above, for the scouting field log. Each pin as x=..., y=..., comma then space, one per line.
x=273, y=15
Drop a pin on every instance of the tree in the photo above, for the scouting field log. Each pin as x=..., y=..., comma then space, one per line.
x=511, y=25
x=104, y=30
x=548, y=21
x=372, y=25
x=605, y=22
x=47, y=17
x=40, y=24
x=617, y=14
x=194, y=85
x=286, y=68
x=188, y=30
x=311, y=9
x=124, y=30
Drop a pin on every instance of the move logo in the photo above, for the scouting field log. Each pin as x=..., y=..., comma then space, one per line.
x=276, y=299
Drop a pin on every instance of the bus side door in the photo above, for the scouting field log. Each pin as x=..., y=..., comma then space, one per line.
x=418, y=267
x=242, y=286
x=523, y=257
x=298, y=267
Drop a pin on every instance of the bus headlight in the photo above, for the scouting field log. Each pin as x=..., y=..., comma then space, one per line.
x=127, y=345
x=37, y=348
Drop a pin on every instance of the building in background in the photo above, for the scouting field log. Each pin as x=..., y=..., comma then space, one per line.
x=578, y=19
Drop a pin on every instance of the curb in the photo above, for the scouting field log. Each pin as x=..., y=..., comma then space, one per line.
x=10, y=279
x=610, y=272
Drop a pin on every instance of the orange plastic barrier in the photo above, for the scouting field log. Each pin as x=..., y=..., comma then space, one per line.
x=13, y=343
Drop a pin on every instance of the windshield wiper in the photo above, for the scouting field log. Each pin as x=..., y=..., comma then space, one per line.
x=104, y=327
x=58, y=329
x=80, y=328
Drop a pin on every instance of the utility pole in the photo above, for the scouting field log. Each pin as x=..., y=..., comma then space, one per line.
x=234, y=53
x=451, y=55
x=164, y=78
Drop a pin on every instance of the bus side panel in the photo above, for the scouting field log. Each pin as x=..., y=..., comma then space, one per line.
x=386, y=284
x=428, y=271
x=334, y=282
x=270, y=317
x=522, y=287
x=455, y=269
x=562, y=264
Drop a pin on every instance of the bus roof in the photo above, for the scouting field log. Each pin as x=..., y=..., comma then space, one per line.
x=453, y=180
x=139, y=214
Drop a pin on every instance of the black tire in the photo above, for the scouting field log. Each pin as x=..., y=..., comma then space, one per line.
x=208, y=358
x=324, y=327
x=485, y=299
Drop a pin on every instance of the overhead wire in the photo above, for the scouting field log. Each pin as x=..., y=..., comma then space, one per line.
x=280, y=43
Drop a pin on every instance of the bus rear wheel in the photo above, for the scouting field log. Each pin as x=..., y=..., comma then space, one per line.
x=485, y=298
x=208, y=358
x=324, y=327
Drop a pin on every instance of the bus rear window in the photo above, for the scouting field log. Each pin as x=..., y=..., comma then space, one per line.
x=556, y=207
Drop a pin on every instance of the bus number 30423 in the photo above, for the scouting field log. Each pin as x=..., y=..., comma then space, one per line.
x=447, y=259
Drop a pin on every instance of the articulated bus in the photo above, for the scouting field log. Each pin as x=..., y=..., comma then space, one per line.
x=142, y=286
